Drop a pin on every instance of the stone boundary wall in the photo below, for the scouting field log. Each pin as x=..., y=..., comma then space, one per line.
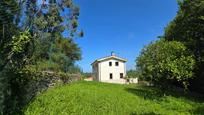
x=37, y=82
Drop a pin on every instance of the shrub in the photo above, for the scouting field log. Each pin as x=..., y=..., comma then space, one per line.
x=164, y=61
x=133, y=74
x=22, y=85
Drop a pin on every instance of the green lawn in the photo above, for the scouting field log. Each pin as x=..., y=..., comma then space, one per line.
x=93, y=98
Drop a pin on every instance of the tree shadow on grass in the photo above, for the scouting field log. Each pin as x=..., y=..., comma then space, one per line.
x=150, y=113
x=156, y=94
x=146, y=93
x=199, y=110
x=153, y=93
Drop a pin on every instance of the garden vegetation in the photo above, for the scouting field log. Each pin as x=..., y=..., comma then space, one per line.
x=34, y=52
x=177, y=58
x=91, y=98
x=31, y=39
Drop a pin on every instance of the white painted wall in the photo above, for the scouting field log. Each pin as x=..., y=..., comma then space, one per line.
x=133, y=80
x=105, y=70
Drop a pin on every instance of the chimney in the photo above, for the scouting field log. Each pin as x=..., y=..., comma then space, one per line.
x=112, y=53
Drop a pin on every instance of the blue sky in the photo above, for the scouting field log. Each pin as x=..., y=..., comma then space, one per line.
x=122, y=26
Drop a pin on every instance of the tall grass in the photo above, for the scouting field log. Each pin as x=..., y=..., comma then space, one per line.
x=93, y=98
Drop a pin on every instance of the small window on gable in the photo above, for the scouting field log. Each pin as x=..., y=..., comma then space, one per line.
x=121, y=75
x=111, y=76
x=116, y=63
x=110, y=63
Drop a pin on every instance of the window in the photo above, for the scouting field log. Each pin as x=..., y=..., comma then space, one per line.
x=116, y=63
x=110, y=63
x=111, y=76
x=121, y=75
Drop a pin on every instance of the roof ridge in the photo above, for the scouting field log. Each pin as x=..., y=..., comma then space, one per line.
x=107, y=57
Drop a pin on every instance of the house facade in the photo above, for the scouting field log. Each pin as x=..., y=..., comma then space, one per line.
x=111, y=69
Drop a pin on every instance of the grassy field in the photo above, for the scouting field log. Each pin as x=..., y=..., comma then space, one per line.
x=93, y=98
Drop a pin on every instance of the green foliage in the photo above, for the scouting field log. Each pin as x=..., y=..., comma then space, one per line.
x=110, y=99
x=75, y=69
x=46, y=24
x=188, y=28
x=87, y=74
x=22, y=86
x=8, y=29
x=133, y=74
x=162, y=61
x=45, y=65
x=19, y=42
x=64, y=53
x=28, y=34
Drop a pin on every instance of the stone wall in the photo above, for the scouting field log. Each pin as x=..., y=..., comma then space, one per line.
x=38, y=82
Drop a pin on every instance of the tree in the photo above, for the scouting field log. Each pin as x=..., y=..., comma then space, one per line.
x=14, y=44
x=9, y=33
x=163, y=61
x=29, y=31
x=133, y=74
x=48, y=21
x=188, y=28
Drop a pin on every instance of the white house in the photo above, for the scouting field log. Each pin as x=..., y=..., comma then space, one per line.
x=111, y=69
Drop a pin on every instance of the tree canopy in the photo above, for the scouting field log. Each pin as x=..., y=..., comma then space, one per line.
x=188, y=28
x=35, y=34
x=164, y=61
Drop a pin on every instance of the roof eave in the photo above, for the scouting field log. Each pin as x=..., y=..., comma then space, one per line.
x=114, y=57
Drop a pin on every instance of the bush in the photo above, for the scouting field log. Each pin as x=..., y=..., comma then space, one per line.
x=163, y=61
x=21, y=86
x=133, y=74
